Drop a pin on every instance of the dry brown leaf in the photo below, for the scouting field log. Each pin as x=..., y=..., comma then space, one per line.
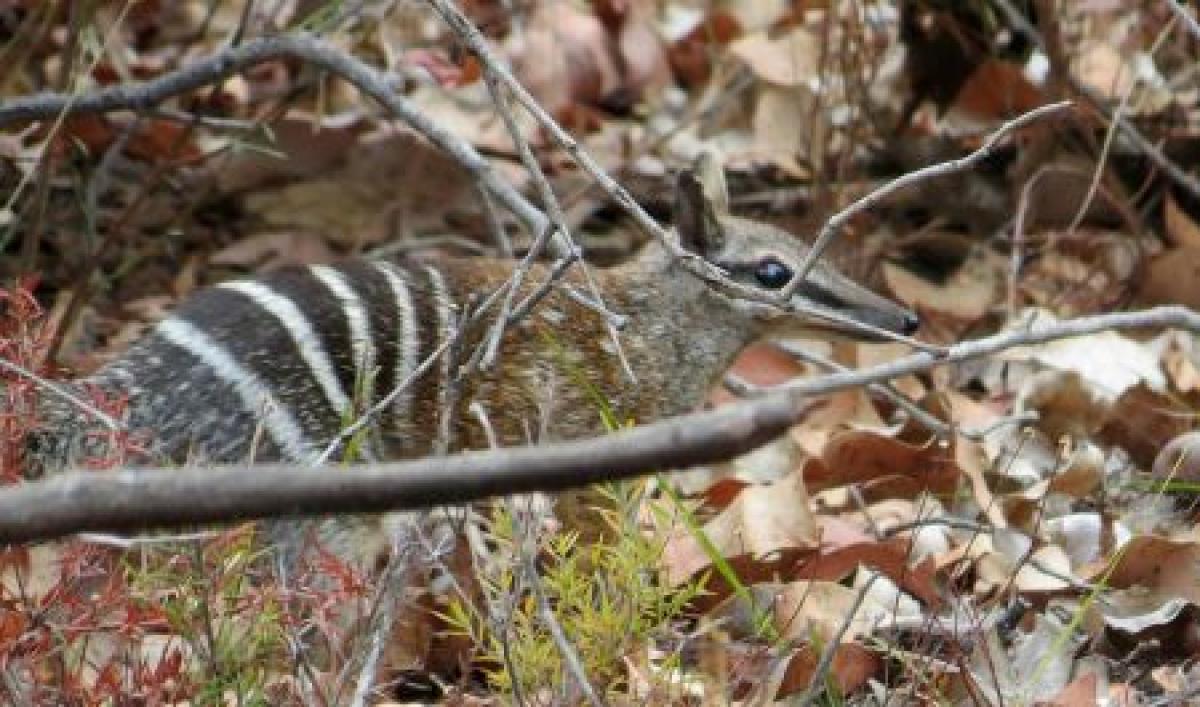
x=1142, y=421
x=750, y=671
x=997, y=90
x=692, y=55
x=1081, y=473
x=302, y=146
x=853, y=665
x=845, y=547
x=1066, y=404
x=1180, y=228
x=1166, y=566
x=361, y=204
x=1171, y=277
x=760, y=364
x=564, y=56
x=856, y=456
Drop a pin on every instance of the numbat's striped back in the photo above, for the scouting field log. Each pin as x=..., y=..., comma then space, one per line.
x=285, y=361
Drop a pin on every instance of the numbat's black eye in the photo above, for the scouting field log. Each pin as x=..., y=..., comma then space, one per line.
x=773, y=274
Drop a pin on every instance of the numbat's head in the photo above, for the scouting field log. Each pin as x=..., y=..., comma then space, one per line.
x=763, y=257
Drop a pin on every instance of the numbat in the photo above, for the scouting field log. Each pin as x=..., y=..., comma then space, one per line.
x=275, y=367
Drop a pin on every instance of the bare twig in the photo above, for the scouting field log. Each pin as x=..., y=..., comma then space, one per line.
x=1182, y=13
x=132, y=500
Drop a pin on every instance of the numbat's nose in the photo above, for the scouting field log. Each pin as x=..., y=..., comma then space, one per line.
x=911, y=323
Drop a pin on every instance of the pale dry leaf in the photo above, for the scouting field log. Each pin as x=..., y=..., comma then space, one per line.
x=1080, y=535
x=1179, y=362
x=759, y=15
x=968, y=294
x=839, y=411
x=780, y=138
x=1013, y=564
x=1138, y=617
x=644, y=56
x=971, y=458
x=1043, y=659
x=805, y=611
x=791, y=59
x=1101, y=67
x=1179, y=460
x=763, y=523
x=1109, y=362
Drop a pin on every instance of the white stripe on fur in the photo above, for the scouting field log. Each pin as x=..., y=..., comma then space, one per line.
x=296, y=323
x=408, y=336
x=356, y=318
x=256, y=398
x=445, y=314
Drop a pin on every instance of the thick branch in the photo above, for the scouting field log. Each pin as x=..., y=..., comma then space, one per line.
x=153, y=498
x=136, y=500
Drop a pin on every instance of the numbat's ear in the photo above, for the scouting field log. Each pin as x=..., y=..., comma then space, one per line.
x=699, y=197
x=711, y=173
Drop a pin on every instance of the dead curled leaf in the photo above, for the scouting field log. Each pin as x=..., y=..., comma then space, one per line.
x=853, y=665
x=1168, y=567
x=857, y=456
